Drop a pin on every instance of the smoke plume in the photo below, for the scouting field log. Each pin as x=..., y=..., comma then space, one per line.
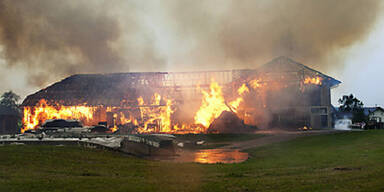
x=50, y=39
x=53, y=38
x=249, y=33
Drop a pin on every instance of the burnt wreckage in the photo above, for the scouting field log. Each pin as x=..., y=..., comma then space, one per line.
x=281, y=93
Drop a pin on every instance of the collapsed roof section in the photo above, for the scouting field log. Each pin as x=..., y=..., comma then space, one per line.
x=98, y=89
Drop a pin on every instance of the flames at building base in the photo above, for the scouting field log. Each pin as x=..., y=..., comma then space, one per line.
x=187, y=102
x=155, y=116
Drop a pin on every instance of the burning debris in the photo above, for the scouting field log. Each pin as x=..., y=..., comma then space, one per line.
x=227, y=122
x=194, y=102
x=36, y=115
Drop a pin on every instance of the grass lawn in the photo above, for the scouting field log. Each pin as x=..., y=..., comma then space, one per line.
x=352, y=161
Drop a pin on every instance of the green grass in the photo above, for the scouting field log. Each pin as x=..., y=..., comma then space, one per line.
x=303, y=164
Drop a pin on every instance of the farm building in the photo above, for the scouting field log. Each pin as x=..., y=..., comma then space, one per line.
x=281, y=93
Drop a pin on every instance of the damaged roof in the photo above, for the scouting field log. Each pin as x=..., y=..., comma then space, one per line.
x=97, y=89
x=119, y=89
x=284, y=64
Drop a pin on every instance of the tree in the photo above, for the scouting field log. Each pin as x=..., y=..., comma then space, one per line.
x=349, y=103
x=9, y=99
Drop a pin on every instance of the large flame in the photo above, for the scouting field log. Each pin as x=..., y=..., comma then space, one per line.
x=213, y=104
x=155, y=115
x=34, y=116
x=235, y=104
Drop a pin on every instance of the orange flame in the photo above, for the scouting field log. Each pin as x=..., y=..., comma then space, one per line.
x=314, y=80
x=154, y=116
x=34, y=116
x=255, y=83
x=213, y=104
x=234, y=105
x=243, y=89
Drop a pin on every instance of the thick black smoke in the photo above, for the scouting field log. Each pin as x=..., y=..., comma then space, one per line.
x=53, y=38
x=252, y=32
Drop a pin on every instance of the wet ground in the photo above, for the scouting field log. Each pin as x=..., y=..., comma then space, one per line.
x=232, y=152
x=207, y=156
x=220, y=156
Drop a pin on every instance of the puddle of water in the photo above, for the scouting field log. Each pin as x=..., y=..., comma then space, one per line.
x=208, y=156
x=220, y=156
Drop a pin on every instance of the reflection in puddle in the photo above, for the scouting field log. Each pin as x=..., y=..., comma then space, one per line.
x=220, y=156
x=207, y=156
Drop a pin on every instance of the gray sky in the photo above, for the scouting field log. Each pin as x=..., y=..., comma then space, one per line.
x=364, y=67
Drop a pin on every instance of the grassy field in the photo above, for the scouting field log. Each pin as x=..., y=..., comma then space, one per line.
x=351, y=161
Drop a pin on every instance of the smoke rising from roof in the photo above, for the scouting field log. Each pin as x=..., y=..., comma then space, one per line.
x=50, y=39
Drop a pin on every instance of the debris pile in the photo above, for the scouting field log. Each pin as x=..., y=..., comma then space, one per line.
x=228, y=122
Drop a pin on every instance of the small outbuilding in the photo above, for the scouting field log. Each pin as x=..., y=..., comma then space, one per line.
x=377, y=115
x=9, y=118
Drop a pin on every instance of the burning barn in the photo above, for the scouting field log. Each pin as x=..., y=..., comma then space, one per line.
x=281, y=93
